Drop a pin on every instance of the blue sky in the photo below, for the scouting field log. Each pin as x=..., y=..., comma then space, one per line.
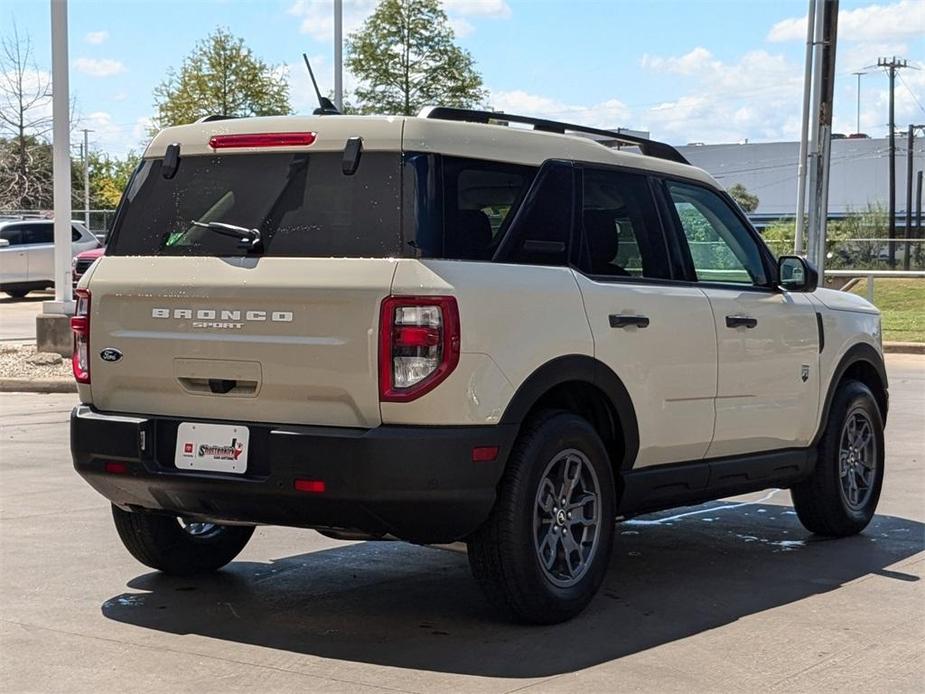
x=694, y=71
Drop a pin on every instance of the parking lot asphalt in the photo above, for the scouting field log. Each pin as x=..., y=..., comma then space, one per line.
x=733, y=595
x=17, y=316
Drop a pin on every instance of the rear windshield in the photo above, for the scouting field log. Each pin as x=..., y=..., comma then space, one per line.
x=303, y=205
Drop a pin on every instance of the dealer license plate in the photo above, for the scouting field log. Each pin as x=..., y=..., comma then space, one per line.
x=212, y=447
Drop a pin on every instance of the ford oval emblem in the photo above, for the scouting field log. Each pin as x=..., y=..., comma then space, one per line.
x=110, y=354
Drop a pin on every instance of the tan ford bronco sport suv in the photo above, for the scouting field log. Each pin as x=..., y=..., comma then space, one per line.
x=450, y=328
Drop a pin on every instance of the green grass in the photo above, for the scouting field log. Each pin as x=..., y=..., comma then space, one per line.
x=902, y=302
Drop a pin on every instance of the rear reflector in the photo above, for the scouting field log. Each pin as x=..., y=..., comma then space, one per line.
x=262, y=140
x=484, y=454
x=311, y=486
x=116, y=468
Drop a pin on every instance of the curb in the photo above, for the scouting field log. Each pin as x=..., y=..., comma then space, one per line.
x=904, y=347
x=37, y=385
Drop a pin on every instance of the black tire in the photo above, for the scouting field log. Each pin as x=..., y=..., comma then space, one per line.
x=161, y=542
x=505, y=553
x=821, y=502
x=16, y=293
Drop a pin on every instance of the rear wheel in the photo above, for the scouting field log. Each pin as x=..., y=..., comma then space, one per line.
x=179, y=546
x=543, y=552
x=16, y=292
x=841, y=495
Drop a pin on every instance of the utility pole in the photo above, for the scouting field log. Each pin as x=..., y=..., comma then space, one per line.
x=339, y=54
x=910, y=152
x=859, y=75
x=86, y=163
x=892, y=65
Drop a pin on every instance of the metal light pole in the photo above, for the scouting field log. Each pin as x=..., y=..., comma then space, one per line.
x=859, y=75
x=52, y=326
x=339, y=54
x=61, y=134
x=804, y=131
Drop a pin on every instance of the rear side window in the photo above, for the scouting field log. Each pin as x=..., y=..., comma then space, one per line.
x=464, y=205
x=76, y=235
x=303, y=205
x=621, y=233
x=38, y=233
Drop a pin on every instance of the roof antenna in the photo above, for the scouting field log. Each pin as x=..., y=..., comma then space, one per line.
x=325, y=106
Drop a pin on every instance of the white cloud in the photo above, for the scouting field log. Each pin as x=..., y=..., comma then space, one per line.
x=317, y=16
x=99, y=67
x=462, y=27
x=114, y=137
x=611, y=113
x=870, y=23
x=95, y=38
x=498, y=9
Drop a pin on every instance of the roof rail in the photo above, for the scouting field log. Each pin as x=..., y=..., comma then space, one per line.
x=214, y=117
x=651, y=148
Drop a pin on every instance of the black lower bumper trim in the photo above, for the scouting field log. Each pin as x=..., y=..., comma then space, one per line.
x=416, y=483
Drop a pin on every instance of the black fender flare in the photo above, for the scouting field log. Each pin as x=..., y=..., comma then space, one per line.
x=861, y=352
x=582, y=368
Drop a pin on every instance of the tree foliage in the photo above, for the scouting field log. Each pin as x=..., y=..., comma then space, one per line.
x=405, y=57
x=221, y=76
x=747, y=201
x=25, y=121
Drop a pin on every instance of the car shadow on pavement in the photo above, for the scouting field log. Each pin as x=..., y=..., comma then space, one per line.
x=671, y=576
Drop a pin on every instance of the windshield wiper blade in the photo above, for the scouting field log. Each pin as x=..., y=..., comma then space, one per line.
x=247, y=238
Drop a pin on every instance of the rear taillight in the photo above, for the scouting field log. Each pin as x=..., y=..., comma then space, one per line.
x=418, y=345
x=80, y=326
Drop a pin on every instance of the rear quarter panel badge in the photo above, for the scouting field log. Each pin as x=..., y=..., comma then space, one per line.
x=804, y=372
x=110, y=354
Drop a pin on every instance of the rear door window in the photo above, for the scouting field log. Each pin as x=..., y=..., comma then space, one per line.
x=303, y=205
x=621, y=232
x=34, y=234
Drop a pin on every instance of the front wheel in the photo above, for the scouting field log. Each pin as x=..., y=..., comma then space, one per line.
x=544, y=550
x=841, y=495
x=177, y=546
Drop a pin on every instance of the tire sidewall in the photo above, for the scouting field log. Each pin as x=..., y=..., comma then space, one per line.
x=852, y=397
x=559, y=433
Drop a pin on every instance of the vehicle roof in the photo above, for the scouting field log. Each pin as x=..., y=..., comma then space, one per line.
x=394, y=133
x=8, y=222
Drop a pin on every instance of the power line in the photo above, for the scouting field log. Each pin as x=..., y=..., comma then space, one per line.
x=911, y=93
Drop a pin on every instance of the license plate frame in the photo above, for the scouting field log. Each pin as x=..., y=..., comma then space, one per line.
x=212, y=447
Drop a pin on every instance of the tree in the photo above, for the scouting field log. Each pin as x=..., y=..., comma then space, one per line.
x=747, y=201
x=405, y=58
x=25, y=121
x=221, y=77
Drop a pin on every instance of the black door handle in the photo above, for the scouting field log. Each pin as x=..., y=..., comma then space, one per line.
x=740, y=321
x=620, y=320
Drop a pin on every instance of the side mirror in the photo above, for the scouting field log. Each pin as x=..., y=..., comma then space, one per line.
x=797, y=274
x=4, y=243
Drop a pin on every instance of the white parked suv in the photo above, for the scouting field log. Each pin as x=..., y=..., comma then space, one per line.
x=445, y=328
x=27, y=253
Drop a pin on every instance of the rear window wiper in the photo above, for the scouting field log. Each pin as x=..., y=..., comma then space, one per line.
x=250, y=239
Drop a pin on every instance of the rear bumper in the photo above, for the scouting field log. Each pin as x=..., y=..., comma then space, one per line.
x=416, y=483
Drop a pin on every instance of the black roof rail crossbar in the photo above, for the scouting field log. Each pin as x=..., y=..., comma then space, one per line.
x=651, y=148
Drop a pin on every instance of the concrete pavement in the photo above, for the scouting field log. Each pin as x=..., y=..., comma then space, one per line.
x=17, y=316
x=733, y=595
